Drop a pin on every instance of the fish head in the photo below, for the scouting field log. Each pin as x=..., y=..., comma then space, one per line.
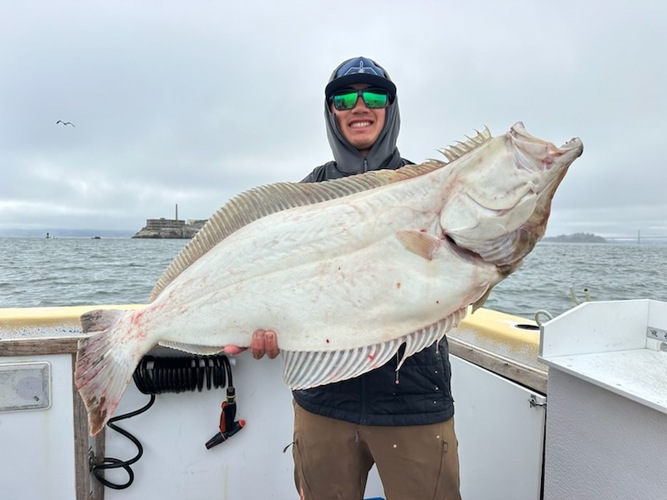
x=500, y=196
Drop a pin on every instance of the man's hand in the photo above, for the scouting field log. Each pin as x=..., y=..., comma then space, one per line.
x=263, y=342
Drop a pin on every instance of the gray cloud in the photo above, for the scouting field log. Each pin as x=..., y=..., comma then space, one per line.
x=193, y=102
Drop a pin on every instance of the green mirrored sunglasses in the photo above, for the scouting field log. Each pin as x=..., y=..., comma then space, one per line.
x=373, y=99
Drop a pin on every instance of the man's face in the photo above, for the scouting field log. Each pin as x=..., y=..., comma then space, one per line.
x=360, y=125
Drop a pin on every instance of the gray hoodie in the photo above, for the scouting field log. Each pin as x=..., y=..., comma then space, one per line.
x=347, y=159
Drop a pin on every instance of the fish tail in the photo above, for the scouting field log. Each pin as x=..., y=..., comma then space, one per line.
x=105, y=362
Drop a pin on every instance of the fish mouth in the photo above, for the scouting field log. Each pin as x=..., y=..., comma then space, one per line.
x=549, y=154
x=463, y=253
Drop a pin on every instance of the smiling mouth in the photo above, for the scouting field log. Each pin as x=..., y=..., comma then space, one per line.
x=360, y=124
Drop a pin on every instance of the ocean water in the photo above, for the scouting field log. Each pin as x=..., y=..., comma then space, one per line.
x=40, y=272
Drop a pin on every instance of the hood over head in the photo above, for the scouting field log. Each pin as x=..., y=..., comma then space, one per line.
x=384, y=153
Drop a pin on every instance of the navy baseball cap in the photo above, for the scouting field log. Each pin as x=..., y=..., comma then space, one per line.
x=359, y=70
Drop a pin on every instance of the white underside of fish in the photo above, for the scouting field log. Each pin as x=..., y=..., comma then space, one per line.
x=316, y=275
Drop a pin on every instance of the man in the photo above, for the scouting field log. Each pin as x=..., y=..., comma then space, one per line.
x=400, y=421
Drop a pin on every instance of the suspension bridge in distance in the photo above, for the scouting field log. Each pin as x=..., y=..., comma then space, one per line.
x=638, y=238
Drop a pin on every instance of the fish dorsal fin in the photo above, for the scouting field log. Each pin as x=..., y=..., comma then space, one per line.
x=307, y=369
x=264, y=200
x=461, y=148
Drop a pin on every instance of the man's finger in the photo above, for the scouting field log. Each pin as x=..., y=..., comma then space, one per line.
x=257, y=345
x=233, y=350
x=271, y=344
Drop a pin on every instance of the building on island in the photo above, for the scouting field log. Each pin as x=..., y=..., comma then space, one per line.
x=170, y=228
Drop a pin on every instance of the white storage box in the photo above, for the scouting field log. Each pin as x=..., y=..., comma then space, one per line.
x=607, y=401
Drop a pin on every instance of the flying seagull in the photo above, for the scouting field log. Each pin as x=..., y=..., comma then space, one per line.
x=65, y=123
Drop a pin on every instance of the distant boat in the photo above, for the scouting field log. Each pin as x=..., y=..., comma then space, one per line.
x=96, y=237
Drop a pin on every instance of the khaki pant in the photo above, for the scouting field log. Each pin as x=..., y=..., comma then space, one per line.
x=332, y=459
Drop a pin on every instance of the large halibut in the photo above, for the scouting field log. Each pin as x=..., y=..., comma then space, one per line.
x=345, y=271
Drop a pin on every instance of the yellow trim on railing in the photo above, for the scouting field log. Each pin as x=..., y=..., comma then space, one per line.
x=484, y=321
x=42, y=316
x=499, y=325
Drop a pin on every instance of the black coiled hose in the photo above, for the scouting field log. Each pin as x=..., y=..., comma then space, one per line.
x=97, y=466
x=160, y=375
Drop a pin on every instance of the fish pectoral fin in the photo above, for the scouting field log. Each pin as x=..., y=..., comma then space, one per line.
x=421, y=244
x=191, y=348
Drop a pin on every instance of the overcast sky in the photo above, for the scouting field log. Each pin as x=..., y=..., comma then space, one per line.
x=191, y=102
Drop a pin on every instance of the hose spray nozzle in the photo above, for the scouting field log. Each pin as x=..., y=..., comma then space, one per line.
x=228, y=425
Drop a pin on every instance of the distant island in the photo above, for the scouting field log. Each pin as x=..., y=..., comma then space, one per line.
x=576, y=238
x=170, y=229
